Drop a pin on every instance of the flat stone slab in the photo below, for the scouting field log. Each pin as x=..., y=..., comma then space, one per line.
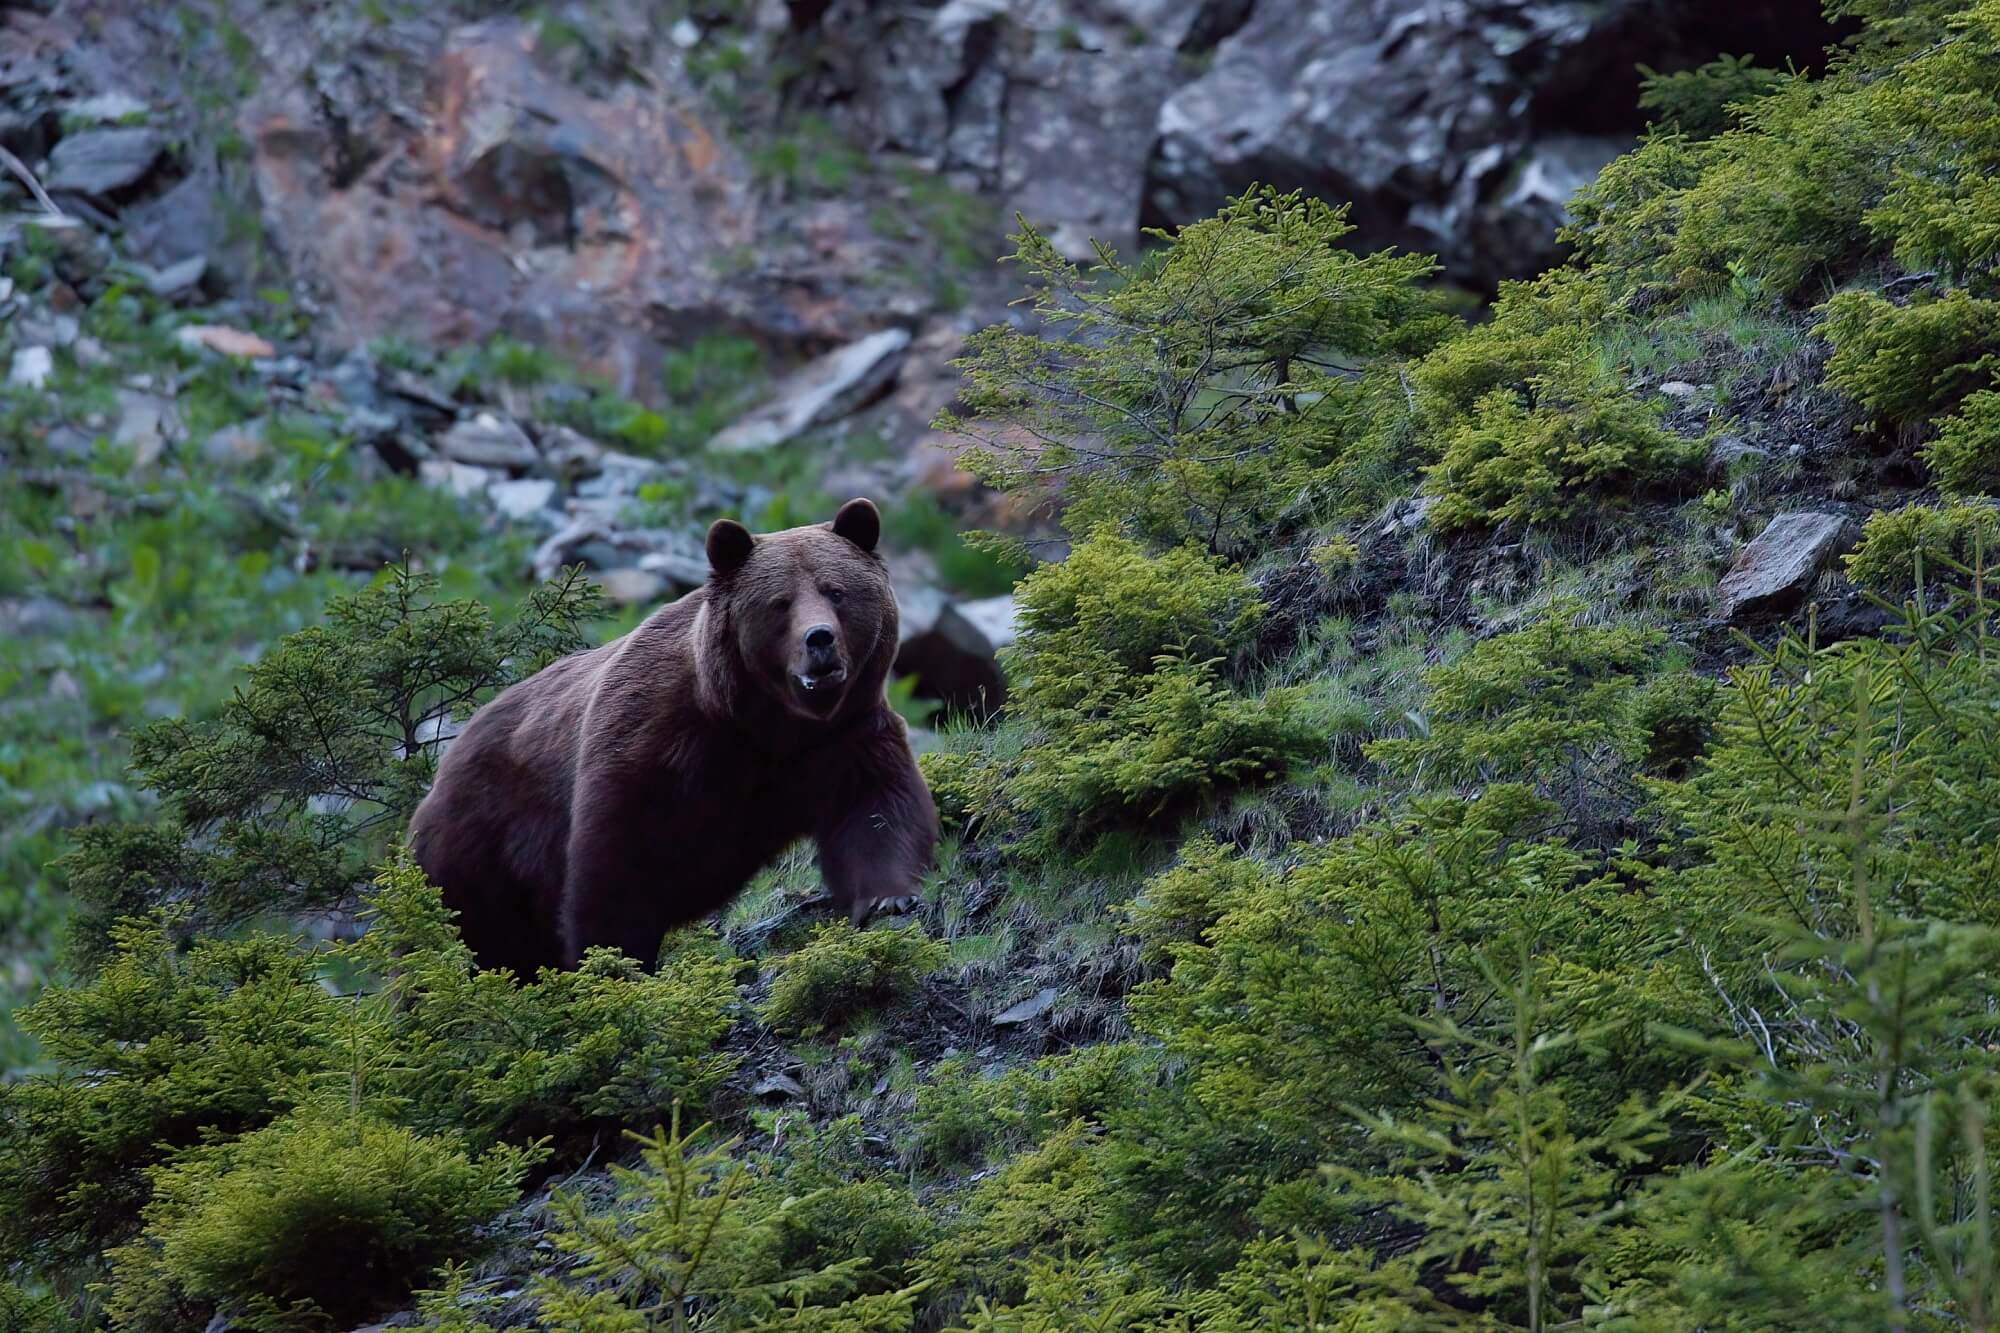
x=100, y=161
x=820, y=391
x=1773, y=572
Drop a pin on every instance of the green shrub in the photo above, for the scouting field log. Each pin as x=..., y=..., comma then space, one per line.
x=1902, y=548
x=160, y=1051
x=1911, y=362
x=1120, y=687
x=1702, y=102
x=841, y=972
x=1166, y=394
x=695, y=1234
x=503, y=1059
x=1180, y=903
x=320, y=1217
x=1529, y=421
x=1965, y=454
x=315, y=760
x=1543, y=704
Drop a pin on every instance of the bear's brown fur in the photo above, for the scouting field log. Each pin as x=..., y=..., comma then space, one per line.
x=632, y=788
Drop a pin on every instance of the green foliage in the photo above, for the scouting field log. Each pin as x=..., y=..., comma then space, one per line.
x=158, y=1052
x=968, y=568
x=501, y=1059
x=1119, y=670
x=1534, y=426
x=1906, y=548
x=1556, y=701
x=1965, y=454
x=1513, y=1202
x=1201, y=394
x=1701, y=102
x=697, y=1241
x=319, y=1218
x=841, y=972
x=1912, y=362
x=316, y=760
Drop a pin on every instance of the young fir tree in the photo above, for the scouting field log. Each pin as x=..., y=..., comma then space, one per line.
x=282, y=801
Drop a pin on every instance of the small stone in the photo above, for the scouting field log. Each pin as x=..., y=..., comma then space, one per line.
x=53, y=330
x=106, y=108
x=680, y=568
x=101, y=161
x=631, y=587
x=177, y=280
x=619, y=475
x=777, y=1085
x=1028, y=1010
x=31, y=368
x=522, y=499
x=685, y=34
x=489, y=440
x=236, y=445
x=462, y=479
x=984, y=626
x=221, y=338
x=1729, y=450
x=146, y=421
x=1679, y=389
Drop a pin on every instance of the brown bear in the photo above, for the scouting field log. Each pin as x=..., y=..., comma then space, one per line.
x=635, y=787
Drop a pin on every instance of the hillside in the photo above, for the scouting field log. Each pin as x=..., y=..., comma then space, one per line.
x=1459, y=814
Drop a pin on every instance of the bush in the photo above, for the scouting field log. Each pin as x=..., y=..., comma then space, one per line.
x=317, y=758
x=1702, y=102
x=1912, y=362
x=1166, y=394
x=1181, y=903
x=1120, y=686
x=159, y=1052
x=317, y=1218
x=1553, y=702
x=1915, y=544
x=694, y=1231
x=841, y=972
x=501, y=1059
x=1965, y=455
x=1532, y=425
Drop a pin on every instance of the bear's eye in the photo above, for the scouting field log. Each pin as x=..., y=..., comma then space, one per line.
x=834, y=594
x=781, y=603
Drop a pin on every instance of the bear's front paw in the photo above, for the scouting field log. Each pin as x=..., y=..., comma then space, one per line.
x=863, y=911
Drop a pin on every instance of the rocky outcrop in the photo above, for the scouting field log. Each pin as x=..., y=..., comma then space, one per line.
x=1458, y=127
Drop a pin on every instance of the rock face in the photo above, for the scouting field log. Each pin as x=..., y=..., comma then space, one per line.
x=1459, y=127
x=502, y=196
x=1773, y=572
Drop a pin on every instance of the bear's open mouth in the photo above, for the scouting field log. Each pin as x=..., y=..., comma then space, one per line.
x=822, y=686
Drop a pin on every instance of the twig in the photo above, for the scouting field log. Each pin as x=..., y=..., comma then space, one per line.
x=20, y=168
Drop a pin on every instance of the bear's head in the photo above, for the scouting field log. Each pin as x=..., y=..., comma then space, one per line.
x=808, y=613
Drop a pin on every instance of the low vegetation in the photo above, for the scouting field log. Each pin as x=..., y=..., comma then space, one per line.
x=1387, y=901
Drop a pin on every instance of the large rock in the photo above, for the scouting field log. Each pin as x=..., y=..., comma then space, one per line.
x=1774, y=572
x=821, y=391
x=488, y=440
x=952, y=648
x=103, y=161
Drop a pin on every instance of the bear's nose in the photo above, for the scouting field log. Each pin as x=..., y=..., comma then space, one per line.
x=820, y=638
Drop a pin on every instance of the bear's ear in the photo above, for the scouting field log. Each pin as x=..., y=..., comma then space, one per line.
x=729, y=544
x=859, y=522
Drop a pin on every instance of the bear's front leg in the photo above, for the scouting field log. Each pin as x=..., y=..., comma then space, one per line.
x=614, y=891
x=878, y=832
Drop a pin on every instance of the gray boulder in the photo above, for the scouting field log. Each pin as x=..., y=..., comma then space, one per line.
x=1774, y=572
